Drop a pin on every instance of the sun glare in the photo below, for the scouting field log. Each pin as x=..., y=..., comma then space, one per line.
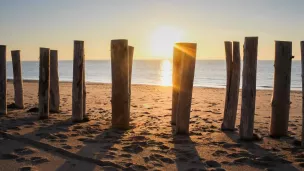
x=162, y=41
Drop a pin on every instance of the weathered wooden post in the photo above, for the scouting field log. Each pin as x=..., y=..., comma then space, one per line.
x=77, y=95
x=18, y=85
x=3, y=107
x=281, y=89
x=176, y=79
x=54, y=82
x=186, y=86
x=44, y=83
x=120, y=84
x=84, y=108
x=249, y=87
x=131, y=52
x=233, y=84
x=302, y=65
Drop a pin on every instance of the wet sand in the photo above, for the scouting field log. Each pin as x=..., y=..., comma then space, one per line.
x=58, y=144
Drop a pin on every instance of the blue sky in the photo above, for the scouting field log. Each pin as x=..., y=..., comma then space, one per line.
x=29, y=24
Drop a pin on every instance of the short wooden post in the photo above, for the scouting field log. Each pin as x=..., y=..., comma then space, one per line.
x=54, y=82
x=77, y=95
x=281, y=89
x=3, y=107
x=120, y=84
x=131, y=52
x=44, y=83
x=18, y=85
x=186, y=87
x=233, y=84
x=249, y=87
x=176, y=79
x=302, y=65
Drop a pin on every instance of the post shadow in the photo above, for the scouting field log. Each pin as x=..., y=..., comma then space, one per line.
x=108, y=136
x=184, y=157
x=256, y=149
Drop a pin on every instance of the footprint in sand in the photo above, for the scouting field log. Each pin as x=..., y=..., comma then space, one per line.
x=28, y=168
x=24, y=151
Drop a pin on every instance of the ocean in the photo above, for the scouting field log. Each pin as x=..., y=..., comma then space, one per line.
x=208, y=73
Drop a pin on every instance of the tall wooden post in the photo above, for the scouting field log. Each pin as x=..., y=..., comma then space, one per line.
x=3, y=107
x=249, y=87
x=54, y=82
x=176, y=79
x=44, y=83
x=281, y=89
x=120, y=84
x=18, y=85
x=302, y=65
x=233, y=84
x=186, y=87
x=84, y=108
x=77, y=95
x=131, y=52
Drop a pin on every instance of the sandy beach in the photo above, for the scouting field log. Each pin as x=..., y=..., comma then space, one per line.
x=27, y=143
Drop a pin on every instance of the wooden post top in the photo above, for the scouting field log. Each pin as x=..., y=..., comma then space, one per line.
x=15, y=51
x=279, y=41
x=43, y=48
x=187, y=44
x=187, y=48
x=78, y=41
x=119, y=40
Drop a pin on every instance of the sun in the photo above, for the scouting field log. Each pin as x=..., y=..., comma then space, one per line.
x=162, y=41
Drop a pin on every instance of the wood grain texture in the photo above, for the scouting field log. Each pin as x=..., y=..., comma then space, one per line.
x=84, y=102
x=233, y=84
x=281, y=89
x=44, y=83
x=18, y=83
x=77, y=89
x=186, y=87
x=131, y=53
x=120, y=84
x=249, y=88
x=54, y=82
x=176, y=80
x=3, y=101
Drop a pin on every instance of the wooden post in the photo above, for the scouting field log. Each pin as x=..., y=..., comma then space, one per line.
x=176, y=79
x=233, y=84
x=186, y=86
x=77, y=96
x=281, y=89
x=44, y=83
x=18, y=85
x=120, y=83
x=131, y=52
x=302, y=65
x=3, y=107
x=84, y=108
x=54, y=82
x=249, y=87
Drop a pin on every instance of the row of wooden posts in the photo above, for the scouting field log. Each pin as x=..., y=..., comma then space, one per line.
x=184, y=57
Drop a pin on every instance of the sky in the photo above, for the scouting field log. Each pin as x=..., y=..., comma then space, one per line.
x=151, y=26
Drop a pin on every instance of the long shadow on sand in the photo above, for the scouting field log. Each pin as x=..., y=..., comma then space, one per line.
x=187, y=156
x=99, y=148
x=257, y=156
x=58, y=131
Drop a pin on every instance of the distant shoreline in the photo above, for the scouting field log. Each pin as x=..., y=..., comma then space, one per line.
x=100, y=83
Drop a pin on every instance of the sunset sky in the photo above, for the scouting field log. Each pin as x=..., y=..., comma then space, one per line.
x=151, y=26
